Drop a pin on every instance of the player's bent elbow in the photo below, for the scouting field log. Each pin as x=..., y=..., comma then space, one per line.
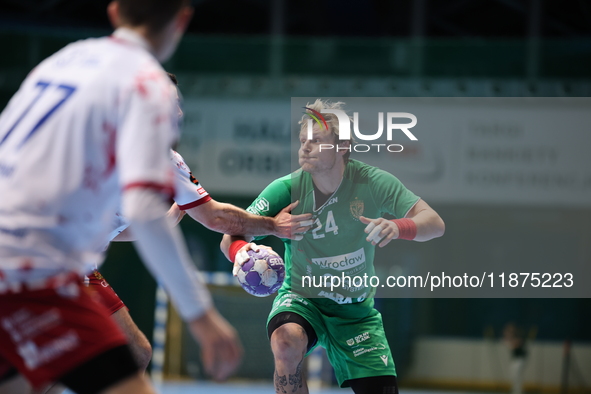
x=438, y=228
x=441, y=228
x=434, y=229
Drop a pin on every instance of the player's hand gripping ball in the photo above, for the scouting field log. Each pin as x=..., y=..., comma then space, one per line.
x=262, y=274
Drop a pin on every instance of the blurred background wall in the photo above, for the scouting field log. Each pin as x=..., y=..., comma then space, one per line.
x=254, y=55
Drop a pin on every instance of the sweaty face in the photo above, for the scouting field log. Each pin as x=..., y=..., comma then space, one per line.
x=318, y=154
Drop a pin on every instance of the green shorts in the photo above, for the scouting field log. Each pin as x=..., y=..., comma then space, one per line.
x=352, y=334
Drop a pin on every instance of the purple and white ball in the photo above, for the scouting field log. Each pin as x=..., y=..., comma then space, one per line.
x=262, y=274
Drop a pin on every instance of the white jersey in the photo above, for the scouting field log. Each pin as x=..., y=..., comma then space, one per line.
x=188, y=193
x=96, y=118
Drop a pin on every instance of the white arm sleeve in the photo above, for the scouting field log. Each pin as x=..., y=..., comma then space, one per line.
x=163, y=250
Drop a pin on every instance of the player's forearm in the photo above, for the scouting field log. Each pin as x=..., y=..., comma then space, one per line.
x=162, y=249
x=174, y=216
x=164, y=253
x=229, y=219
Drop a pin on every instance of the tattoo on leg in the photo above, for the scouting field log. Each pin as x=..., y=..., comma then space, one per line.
x=280, y=382
x=296, y=379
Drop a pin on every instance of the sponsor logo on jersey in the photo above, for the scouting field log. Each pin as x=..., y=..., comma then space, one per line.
x=362, y=350
x=356, y=207
x=384, y=359
x=193, y=179
x=341, y=299
x=336, y=297
x=252, y=210
x=362, y=337
x=34, y=355
x=261, y=205
x=341, y=262
x=331, y=201
x=358, y=339
x=24, y=327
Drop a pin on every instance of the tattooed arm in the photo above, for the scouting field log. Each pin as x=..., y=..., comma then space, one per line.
x=229, y=219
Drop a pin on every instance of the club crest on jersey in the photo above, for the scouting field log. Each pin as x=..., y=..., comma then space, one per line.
x=356, y=207
x=98, y=275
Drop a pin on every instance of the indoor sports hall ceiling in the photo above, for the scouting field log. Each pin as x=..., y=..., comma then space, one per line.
x=362, y=18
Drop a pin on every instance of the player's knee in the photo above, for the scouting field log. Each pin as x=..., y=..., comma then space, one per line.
x=145, y=356
x=142, y=351
x=137, y=341
x=288, y=342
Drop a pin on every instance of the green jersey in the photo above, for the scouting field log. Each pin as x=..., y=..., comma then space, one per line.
x=336, y=244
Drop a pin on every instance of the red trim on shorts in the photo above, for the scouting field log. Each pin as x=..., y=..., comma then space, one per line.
x=195, y=203
x=104, y=293
x=167, y=189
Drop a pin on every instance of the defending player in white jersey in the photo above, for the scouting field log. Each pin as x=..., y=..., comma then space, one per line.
x=193, y=199
x=190, y=197
x=89, y=130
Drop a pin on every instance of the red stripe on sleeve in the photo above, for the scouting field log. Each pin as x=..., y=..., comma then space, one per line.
x=194, y=203
x=166, y=189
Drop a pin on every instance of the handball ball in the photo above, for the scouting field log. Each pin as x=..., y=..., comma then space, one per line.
x=262, y=274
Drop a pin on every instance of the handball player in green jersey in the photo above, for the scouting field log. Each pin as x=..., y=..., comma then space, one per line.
x=347, y=199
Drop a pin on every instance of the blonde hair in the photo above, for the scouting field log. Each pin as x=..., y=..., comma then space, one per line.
x=331, y=119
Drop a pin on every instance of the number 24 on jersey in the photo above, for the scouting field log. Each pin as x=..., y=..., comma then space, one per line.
x=331, y=226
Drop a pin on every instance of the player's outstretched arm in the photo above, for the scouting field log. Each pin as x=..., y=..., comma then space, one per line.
x=229, y=219
x=174, y=216
x=421, y=224
x=220, y=350
x=164, y=253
